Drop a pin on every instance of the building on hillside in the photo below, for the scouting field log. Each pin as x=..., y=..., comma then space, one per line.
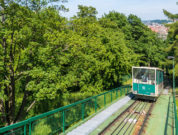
x=160, y=29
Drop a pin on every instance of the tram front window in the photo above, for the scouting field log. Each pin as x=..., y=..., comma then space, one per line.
x=142, y=75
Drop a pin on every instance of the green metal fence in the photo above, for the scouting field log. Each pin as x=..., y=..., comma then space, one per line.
x=58, y=120
x=175, y=111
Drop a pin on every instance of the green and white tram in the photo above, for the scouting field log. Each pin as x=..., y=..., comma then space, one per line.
x=147, y=82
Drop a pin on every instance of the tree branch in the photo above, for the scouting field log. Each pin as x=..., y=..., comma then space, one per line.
x=3, y=118
x=31, y=106
x=21, y=109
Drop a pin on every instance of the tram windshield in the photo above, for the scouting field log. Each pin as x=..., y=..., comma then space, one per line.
x=142, y=75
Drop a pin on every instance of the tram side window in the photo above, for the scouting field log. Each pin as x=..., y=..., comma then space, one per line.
x=144, y=75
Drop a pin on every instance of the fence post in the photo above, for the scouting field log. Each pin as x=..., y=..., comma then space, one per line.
x=111, y=95
x=63, y=116
x=120, y=91
x=177, y=127
x=95, y=104
x=117, y=93
x=25, y=129
x=104, y=99
x=30, y=128
x=83, y=111
x=175, y=115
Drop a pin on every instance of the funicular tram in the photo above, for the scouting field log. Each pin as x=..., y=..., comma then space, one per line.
x=147, y=82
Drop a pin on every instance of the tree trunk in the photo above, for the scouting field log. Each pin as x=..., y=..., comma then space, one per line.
x=12, y=82
x=6, y=112
x=21, y=109
x=2, y=110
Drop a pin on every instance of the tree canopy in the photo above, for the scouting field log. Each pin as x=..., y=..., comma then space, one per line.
x=44, y=55
x=172, y=49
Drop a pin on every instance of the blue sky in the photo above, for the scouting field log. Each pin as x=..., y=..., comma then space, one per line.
x=145, y=9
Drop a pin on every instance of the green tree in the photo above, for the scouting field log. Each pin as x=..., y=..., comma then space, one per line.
x=147, y=48
x=85, y=11
x=22, y=33
x=170, y=15
x=147, y=43
x=106, y=36
x=43, y=55
x=172, y=49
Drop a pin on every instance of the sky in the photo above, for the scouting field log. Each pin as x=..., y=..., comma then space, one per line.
x=144, y=9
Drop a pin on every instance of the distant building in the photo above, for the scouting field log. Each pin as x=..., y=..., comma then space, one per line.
x=160, y=29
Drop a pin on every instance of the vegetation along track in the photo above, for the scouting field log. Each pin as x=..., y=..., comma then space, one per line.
x=131, y=121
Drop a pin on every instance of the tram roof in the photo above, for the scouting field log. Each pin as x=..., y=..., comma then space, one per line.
x=148, y=68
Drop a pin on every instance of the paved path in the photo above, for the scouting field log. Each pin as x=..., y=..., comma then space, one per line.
x=87, y=127
x=160, y=121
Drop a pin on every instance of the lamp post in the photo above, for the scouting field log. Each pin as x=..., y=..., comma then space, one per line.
x=175, y=109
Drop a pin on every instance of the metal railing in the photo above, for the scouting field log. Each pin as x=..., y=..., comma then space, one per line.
x=175, y=112
x=58, y=120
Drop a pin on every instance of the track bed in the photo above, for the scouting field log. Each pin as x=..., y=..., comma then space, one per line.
x=130, y=121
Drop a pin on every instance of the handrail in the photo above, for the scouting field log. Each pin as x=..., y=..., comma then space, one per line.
x=28, y=122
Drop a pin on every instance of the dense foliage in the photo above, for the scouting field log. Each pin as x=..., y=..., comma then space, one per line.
x=172, y=49
x=44, y=56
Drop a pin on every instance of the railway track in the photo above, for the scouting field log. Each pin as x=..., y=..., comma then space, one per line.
x=131, y=121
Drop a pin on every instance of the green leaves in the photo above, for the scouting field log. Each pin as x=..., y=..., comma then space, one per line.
x=85, y=11
x=144, y=45
x=170, y=15
x=44, y=56
x=172, y=49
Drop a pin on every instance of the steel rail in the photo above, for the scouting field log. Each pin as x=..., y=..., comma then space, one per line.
x=124, y=119
x=110, y=124
x=146, y=118
x=140, y=109
x=135, y=107
x=134, y=124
